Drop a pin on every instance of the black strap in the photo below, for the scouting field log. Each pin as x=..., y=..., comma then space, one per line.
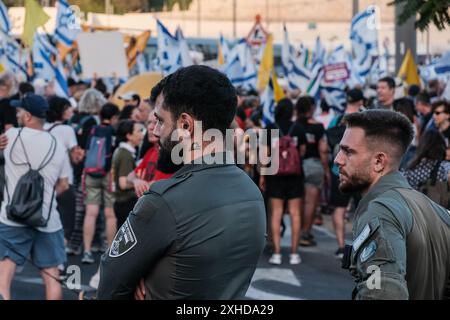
x=43, y=164
x=53, y=126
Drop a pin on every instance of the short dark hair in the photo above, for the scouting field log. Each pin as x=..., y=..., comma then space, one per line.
x=108, y=111
x=137, y=98
x=405, y=106
x=304, y=105
x=57, y=106
x=126, y=112
x=284, y=110
x=423, y=97
x=441, y=103
x=389, y=80
x=384, y=126
x=201, y=91
x=125, y=127
x=25, y=87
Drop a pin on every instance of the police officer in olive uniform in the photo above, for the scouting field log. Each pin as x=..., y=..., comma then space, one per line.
x=197, y=235
x=401, y=247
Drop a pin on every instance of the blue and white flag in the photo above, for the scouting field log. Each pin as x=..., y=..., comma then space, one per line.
x=438, y=68
x=295, y=65
x=5, y=24
x=333, y=92
x=268, y=104
x=13, y=57
x=168, y=54
x=364, y=39
x=67, y=24
x=44, y=68
x=186, y=59
x=240, y=67
x=319, y=52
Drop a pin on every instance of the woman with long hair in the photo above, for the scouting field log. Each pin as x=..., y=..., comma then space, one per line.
x=430, y=153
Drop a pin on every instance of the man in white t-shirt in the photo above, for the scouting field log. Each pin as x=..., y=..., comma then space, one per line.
x=44, y=245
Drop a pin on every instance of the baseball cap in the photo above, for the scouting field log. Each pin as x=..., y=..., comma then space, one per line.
x=33, y=103
x=354, y=95
x=128, y=95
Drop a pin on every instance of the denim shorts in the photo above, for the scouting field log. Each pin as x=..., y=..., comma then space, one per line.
x=46, y=250
x=313, y=172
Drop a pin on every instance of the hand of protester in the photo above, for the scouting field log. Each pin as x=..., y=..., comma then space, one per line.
x=139, y=294
x=3, y=141
x=140, y=186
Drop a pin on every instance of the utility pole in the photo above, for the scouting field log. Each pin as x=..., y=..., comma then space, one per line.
x=199, y=18
x=355, y=7
x=405, y=38
x=234, y=19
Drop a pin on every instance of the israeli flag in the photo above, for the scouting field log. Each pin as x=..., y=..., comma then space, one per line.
x=13, y=57
x=186, y=59
x=319, y=52
x=44, y=68
x=169, y=58
x=240, y=68
x=268, y=104
x=333, y=92
x=295, y=65
x=316, y=70
x=5, y=24
x=364, y=39
x=67, y=24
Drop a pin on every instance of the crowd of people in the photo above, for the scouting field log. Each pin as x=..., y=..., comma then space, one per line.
x=105, y=158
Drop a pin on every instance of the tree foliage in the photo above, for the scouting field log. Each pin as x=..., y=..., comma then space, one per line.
x=430, y=11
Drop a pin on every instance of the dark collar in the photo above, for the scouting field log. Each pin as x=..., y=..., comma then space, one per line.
x=207, y=162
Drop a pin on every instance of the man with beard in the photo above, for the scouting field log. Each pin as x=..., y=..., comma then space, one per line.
x=401, y=247
x=199, y=234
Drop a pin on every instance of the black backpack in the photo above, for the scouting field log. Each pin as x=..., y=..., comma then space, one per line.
x=25, y=206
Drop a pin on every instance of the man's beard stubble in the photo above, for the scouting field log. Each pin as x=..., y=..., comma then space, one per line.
x=165, y=163
x=357, y=183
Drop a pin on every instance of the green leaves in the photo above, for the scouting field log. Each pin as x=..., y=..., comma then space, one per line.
x=429, y=11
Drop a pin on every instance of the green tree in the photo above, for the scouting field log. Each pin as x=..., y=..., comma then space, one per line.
x=430, y=11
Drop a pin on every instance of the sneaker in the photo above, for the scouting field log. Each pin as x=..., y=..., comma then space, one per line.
x=95, y=280
x=339, y=254
x=275, y=259
x=88, y=258
x=294, y=258
x=307, y=240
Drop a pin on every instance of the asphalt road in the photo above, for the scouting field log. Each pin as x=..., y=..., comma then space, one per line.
x=319, y=276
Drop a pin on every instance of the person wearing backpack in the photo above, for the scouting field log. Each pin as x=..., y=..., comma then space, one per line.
x=287, y=184
x=82, y=122
x=98, y=182
x=37, y=166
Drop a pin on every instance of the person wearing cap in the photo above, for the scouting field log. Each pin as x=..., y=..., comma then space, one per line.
x=338, y=200
x=131, y=98
x=44, y=245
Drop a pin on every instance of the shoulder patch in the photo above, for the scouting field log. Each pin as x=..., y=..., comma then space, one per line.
x=124, y=241
x=368, y=251
x=361, y=238
x=160, y=187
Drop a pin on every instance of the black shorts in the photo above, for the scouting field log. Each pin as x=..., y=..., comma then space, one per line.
x=284, y=187
x=337, y=198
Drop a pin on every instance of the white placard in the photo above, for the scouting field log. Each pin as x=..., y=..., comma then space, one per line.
x=102, y=53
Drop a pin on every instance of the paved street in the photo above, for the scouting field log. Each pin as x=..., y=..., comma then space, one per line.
x=319, y=276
